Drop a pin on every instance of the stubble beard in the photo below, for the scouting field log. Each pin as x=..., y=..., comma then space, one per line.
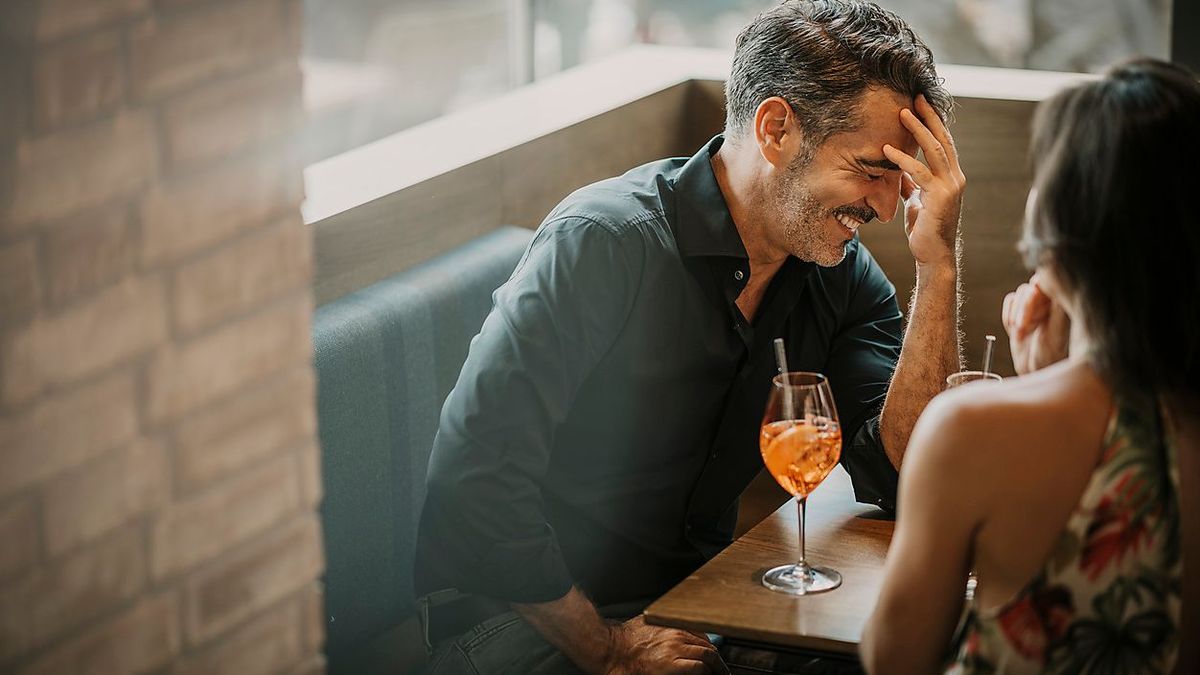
x=804, y=223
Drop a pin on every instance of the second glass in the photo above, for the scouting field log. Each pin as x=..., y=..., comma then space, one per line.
x=964, y=376
x=800, y=442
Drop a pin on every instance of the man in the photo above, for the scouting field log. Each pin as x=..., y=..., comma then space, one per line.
x=606, y=420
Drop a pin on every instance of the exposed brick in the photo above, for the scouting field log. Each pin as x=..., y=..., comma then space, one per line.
x=88, y=253
x=79, y=80
x=314, y=617
x=18, y=538
x=105, y=493
x=169, y=54
x=255, y=577
x=224, y=439
x=136, y=641
x=19, y=287
x=74, y=169
x=71, y=592
x=267, y=644
x=63, y=17
x=65, y=431
x=231, y=115
x=86, y=338
x=187, y=376
x=198, y=529
x=185, y=215
x=244, y=274
x=310, y=475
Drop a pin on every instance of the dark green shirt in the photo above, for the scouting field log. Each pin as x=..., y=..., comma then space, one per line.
x=607, y=416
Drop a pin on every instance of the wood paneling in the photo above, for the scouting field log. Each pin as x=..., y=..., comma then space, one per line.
x=518, y=186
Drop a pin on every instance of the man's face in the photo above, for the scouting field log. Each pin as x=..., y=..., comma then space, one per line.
x=847, y=182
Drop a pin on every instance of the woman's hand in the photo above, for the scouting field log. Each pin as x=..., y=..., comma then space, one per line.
x=1038, y=329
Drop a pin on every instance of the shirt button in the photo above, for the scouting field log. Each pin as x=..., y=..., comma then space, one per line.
x=738, y=275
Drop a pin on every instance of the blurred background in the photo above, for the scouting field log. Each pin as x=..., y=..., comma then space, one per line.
x=375, y=67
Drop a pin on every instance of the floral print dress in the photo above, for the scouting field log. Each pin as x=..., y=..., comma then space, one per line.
x=1108, y=598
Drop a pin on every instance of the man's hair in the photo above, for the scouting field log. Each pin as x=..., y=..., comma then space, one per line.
x=821, y=56
x=1114, y=218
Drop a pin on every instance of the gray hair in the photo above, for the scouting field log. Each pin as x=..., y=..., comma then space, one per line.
x=821, y=56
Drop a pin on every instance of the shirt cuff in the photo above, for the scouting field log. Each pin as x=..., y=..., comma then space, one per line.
x=874, y=478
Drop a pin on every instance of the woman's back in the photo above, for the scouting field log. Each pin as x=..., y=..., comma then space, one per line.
x=1071, y=493
x=1079, y=564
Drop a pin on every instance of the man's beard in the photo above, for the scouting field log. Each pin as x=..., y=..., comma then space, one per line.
x=805, y=224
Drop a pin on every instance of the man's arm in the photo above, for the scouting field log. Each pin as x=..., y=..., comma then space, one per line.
x=933, y=202
x=483, y=529
x=930, y=353
x=574, y=626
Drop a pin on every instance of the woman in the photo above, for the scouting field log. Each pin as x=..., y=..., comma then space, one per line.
x=1071, y=490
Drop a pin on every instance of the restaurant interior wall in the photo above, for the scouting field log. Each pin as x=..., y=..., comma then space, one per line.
x=158, y=466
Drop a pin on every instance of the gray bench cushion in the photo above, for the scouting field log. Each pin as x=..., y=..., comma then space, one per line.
x=386, y=357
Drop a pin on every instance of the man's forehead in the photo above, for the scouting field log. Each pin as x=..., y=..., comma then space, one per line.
x=879, y=124
x=865, y=145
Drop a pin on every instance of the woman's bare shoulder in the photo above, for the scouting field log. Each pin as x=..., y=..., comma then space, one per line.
x=989, y=409
x=984, y=427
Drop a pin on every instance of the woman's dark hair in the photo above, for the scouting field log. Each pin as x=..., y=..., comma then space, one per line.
x=821, y=56
x=1115, y=218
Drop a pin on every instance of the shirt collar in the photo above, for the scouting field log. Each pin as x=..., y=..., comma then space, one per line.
x=703, y=226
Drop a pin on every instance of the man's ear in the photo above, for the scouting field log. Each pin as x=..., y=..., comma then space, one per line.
x=777, y=132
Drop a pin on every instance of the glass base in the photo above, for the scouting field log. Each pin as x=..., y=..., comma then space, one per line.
x=795, y=580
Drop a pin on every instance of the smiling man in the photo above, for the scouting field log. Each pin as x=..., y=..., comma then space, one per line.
x=606, y=420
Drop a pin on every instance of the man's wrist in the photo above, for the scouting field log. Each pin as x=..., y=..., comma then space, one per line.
x=941, y=272
x=606, y=658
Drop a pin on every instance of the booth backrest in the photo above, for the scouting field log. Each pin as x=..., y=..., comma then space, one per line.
x=386, y=357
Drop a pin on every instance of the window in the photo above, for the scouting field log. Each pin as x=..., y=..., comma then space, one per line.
x=1061, y=35
x=375, y=67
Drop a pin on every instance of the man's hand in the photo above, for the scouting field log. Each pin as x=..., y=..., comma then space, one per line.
x=638, y=648
x=1038, y=329
x=932, y=194
x=572, y=624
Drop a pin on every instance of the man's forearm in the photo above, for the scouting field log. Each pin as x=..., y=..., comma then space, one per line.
x=573, y=625
x=930, y=352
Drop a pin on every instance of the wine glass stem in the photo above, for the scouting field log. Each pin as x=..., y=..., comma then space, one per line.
x=801, y=503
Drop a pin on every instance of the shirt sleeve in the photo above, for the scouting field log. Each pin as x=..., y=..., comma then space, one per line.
x=483, y=527
x=861, y=362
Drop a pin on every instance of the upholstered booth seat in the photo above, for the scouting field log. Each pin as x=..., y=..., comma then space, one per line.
x=386, y=357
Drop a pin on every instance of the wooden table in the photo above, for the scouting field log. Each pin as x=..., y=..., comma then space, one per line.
x=726, y=597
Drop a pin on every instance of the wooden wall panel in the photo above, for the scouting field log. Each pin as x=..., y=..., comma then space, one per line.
x=518, y=186
x=376, y=240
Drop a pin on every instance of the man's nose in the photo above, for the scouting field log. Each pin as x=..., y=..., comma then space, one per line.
x=885, y=196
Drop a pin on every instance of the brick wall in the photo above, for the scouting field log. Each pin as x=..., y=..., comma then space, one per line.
x=158, y=461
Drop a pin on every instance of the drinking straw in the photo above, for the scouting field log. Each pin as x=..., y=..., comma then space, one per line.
x=987, y=354
x=781, y=359
x=780, y=356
